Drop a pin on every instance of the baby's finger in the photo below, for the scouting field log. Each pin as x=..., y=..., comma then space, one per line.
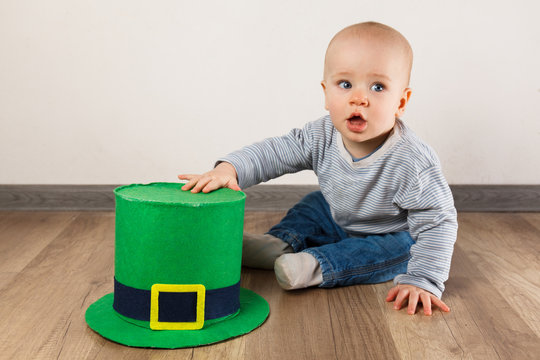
x=440, y=304
x=191, y=183
x=413, y=301
x=402, y=295
x=186, y=176
x=233, y=185
x=426, y=302
x=203, y=181
x=218, y=183
x=211, y=186
x=392, y=293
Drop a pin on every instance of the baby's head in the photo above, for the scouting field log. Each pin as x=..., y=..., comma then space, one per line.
x=366, y=77
x=374, y=33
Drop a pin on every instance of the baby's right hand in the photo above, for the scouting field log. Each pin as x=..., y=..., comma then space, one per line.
x=223, y=175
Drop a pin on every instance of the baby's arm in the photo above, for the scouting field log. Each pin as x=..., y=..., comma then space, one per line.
x=432, y=221
x=258, y=162
x=222, y=176
x=403, y=292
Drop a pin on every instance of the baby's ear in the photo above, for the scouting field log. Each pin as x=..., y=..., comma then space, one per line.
x=403, y=102
x=323, y=84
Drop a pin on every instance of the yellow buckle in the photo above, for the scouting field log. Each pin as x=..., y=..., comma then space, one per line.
x=155, y=324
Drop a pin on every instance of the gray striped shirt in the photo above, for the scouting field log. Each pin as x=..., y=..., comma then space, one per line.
x=400, y=187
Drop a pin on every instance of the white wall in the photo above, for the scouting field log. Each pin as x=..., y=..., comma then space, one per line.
x=101, y=92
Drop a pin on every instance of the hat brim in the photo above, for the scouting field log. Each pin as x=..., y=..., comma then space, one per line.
x=102, y=318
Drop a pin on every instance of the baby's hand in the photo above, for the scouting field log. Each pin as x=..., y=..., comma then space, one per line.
x=223, y=175
x=414, y=294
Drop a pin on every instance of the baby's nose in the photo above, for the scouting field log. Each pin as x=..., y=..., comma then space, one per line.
x=359, y=98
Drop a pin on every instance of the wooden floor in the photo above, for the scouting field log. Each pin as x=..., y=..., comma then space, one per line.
x=53, y=265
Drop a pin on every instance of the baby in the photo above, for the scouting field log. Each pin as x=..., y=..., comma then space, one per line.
x=384, y=211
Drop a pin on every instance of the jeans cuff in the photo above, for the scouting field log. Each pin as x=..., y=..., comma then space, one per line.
x=326, y=267
x=289, y=238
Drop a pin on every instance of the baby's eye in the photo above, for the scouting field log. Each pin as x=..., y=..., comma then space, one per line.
x=344, y=84
x=377, y=87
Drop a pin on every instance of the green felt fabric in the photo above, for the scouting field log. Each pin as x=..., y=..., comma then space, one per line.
x=165, y=235
x=101, y=317
x=171, y=193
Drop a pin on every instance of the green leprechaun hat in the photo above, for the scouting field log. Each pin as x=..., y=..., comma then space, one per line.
x=177, y=270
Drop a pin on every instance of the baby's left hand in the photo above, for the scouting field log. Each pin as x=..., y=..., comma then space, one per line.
x=414, y=294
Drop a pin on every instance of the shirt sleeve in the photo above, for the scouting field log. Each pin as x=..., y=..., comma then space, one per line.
x=272, y=157
x=432, y=221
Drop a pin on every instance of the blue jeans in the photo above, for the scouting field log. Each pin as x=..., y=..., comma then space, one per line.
x=344, y=259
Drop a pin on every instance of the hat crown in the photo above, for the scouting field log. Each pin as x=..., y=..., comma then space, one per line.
x=165, y=235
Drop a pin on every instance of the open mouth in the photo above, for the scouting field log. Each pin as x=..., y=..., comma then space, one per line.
x=356, y=116
x=356, y=122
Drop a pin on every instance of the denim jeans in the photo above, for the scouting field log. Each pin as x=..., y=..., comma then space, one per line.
x=344, y=259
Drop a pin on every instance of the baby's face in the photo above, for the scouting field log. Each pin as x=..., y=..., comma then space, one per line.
x=365, y=87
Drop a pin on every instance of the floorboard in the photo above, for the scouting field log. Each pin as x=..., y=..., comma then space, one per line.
x=24, y=236
x=53, y=265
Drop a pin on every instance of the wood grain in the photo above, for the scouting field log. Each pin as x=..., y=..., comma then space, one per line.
x=58, y=263
x=43, y=306
x=24, y=236
x=359, y=326
x=499, y=326
x=509, y=257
